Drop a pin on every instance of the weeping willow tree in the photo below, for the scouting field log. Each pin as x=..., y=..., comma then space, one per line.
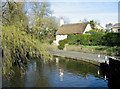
x=17, y=45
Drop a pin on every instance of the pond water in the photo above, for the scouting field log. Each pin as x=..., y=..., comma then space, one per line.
x=61, y=72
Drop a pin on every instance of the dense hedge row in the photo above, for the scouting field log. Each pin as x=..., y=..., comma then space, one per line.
x=109, y=39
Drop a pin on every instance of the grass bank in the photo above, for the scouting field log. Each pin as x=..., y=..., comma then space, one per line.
x=113, y=51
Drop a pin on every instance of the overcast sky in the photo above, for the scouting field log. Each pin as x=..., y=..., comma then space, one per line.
x=103, y=12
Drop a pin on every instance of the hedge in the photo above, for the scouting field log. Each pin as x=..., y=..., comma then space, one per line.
x=111, y=39
x=108, y=39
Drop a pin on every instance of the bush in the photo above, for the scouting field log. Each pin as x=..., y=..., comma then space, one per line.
x=51, y=41
x=62, y=44
x=108, y=39
x=95, y=39
x=72, y=39
x=111, y=39
x=84, y=39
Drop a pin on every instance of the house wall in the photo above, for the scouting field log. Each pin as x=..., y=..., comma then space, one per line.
x=115, y=29
x=88, y=28
x=98, y=27
x=60, y=37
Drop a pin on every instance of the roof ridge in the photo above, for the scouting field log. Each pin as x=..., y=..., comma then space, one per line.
x=75, y=23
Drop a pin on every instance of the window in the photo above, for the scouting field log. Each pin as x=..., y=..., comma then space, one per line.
x=118, y=30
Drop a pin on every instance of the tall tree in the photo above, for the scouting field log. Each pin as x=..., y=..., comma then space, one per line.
x=92, y=23
x=13, y=13
x=17, y=45
x=109, y=25
x=43, y=24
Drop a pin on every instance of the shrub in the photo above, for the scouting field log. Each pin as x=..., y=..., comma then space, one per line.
x=95, y=39
x=108, y=39
x=51, y=41
x=72, y=39
x=62, y=44
x=83, y=39
x=111, y=39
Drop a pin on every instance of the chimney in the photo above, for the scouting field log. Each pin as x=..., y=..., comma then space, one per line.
x=80, y=21
x=61, y=21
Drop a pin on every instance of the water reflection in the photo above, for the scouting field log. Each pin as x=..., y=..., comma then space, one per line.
x=98, y=72
x=61, y=72
x=105, y=77
x=57, y=60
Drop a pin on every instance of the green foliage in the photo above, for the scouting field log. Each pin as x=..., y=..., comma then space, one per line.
x=95, y=39
x=50, y=42
x=78, y=39
x=84, y=39
x=111, y=39
x=13, y=13
x=107, y=31
x=62, y=44
x=91, y=31
x=44, y=26
x=19, y=41
x=72, y=39
x=92, y=23
x=18, y=46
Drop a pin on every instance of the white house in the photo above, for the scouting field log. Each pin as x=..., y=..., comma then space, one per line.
x=116, y=27
x=99, y=27
x=76, y=28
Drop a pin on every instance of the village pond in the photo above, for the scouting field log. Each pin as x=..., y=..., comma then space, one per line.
x=61, y=72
